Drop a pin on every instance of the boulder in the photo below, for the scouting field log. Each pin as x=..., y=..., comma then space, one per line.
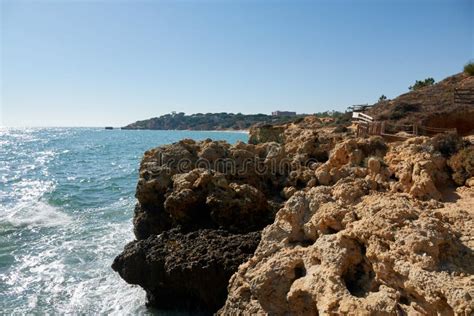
x=185, y=270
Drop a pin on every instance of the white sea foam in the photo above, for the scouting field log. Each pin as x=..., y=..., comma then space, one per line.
x=36, y=214
x=29, y=209
x=68, y=272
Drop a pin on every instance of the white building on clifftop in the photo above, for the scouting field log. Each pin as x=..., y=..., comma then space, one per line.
x=283, y=113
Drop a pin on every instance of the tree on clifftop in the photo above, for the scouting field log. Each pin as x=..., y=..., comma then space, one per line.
x=469, y=68
x=421, y=84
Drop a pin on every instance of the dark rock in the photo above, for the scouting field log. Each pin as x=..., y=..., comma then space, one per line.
x=186, y=270
x=149, y=221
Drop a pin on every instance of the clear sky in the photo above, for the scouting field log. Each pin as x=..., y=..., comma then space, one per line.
x=97, y=63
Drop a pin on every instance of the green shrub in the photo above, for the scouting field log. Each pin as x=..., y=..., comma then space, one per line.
x=421, y=84
x=401, y=110
x=462, y=165
x=469, y=68
x=447, y=143
x=343, y=119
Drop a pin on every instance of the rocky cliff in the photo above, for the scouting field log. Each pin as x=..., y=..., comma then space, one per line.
x=446, y=104
x=306, y=220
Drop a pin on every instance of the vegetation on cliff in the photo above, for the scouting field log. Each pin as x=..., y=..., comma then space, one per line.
x=422, y=83
x=469, y=68
x=448, y=103
x=228, y=121
x=208, y=121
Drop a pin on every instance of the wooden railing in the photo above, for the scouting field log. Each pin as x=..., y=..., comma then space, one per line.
x=429, y=131
x=364, y=122
x=366, y=126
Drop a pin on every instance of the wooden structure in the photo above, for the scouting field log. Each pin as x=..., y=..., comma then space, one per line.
x=364, y=123
x=366, y=126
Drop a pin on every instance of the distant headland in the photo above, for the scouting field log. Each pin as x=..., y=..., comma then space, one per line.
x=220, y=121
x=211, y=121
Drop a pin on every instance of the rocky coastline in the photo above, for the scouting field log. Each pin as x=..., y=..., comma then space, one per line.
x=206, y=203
x=306, y=219
x=363, y=229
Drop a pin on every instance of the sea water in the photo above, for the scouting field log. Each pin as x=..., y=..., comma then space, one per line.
x=66, y=207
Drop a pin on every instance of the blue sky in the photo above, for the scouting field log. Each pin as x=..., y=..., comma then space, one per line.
x=97, y=63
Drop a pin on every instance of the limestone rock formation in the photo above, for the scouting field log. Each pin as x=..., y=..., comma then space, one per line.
x=348, y=225
x=366, y=254
x=213, y=184
x=210, y=200
x=372, y=238
x=195, y=222
x=419, y=168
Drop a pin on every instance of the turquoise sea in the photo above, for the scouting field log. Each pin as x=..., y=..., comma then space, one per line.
x=66, y=206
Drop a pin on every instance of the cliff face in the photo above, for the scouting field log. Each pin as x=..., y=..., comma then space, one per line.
x=347, y=225
x=446, y=104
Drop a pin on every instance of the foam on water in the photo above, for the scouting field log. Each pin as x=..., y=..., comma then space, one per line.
x=66, y=207
x=37, y=214
x=27, y=207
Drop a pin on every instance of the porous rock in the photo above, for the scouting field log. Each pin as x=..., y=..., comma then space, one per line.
x=376, y=254
x=189, y=270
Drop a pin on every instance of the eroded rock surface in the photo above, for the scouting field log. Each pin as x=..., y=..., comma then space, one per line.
x=213, y=184
x=350, y=225
x=373, y=239
x=375, y=254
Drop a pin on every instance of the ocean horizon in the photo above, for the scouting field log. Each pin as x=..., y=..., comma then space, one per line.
x=66, y=208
